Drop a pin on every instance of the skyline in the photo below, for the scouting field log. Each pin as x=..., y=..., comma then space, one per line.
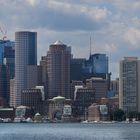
x=113, y=27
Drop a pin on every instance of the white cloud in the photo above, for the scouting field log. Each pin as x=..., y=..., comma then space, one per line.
x=114, y=23
x=92, y=12
x=31, y=2
x=133, y=36
x=110, y=48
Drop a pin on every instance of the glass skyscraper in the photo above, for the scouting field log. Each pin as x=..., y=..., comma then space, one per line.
x=98, y=64
x=5, y=44
x=25, y=54
x=7, y=65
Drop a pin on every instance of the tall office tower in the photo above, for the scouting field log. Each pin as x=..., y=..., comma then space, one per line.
x=34, y=76
x=4, y=84
x=43, y=64
x=58, y=68
x=76, y=68
x=100, y=85
x=7, y=59
x=129, y=84
x=3, y=45
x=25, y=54
x=99, y=63
x=12, y=93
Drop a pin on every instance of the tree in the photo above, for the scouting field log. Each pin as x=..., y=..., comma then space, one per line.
x=138, y=117
x=118, y=115
x=133, y=114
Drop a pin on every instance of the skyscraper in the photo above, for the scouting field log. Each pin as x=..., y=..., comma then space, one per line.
x=58, y=68
x=5, y=44
x=4, y=84
x=7, y=61
x=98, y=64
x=129, y=84
x=25, y=54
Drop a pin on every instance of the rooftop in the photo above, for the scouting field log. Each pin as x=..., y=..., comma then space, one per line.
x=58, y=43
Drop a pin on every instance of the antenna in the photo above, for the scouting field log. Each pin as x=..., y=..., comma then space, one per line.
x=90, y=47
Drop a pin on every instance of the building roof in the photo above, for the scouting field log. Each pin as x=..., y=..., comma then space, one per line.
x=22, y=107
x=6, y=109
x=37, y=114
x=58, y=98
x=58, y=43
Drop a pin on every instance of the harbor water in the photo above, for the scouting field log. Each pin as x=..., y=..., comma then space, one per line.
x=69, y=131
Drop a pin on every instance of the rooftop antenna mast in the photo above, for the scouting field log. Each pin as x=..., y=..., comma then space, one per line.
x=90, y=47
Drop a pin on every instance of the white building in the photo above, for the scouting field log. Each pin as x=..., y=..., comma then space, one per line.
x=129, y=84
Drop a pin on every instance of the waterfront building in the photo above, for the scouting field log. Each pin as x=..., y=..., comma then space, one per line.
x=7, y=113
x=58, y=107
x=100, y=85
x=58, y=70
x=72, y=88
x=22, y=112
x=129, y=84
x=25, y=54
x=112, y=104
x=83, y=98
x=32, y=98
x=97, y=112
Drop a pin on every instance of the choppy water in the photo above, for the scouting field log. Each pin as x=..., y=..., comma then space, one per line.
x=69, y=131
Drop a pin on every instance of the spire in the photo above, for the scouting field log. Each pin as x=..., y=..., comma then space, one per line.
x=90, y=47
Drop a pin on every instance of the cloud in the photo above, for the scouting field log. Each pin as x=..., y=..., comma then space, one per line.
x=94, y=13
x=113, y=24
x=132, y=36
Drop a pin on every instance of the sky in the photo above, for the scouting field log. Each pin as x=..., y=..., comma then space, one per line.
x=113, y=25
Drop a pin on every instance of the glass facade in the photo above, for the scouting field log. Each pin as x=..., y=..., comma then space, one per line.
x=4, y=44
x=25, y=54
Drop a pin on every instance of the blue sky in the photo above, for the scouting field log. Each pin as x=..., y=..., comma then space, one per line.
x=114, y=25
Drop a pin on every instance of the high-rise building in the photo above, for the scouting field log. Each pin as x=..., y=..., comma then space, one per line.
x=76, y=68
x=58, y=68
x=12, y=93
x=100, y=85
x=7, y=61
x=25, y=54
x=97, y=64
x=3, y=45
x=4, y=84
x=129, y=84
x=34, y=76
x=33, y=99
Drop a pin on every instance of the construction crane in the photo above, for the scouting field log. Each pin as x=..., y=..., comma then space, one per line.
x=3, y=32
